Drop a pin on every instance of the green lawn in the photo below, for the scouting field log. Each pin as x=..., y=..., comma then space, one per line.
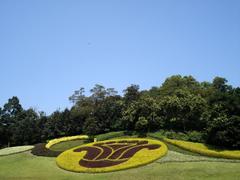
x=178, y=164
x=27, y=166
x=62, y=146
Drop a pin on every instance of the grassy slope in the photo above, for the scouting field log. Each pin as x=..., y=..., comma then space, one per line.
x=178, y=164
x=27, y=166
x=62, y=146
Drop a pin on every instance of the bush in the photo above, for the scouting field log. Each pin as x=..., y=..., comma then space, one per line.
x=62, y=139
x=176, y=135
x=205, y=149
x=195, y=136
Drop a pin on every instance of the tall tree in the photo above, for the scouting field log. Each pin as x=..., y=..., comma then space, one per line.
x=10, y=112
x=131, y=94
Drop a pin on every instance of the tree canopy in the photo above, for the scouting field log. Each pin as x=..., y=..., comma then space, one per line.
x=180, y=104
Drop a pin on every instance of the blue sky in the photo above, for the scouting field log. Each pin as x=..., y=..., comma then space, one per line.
x=48, y=49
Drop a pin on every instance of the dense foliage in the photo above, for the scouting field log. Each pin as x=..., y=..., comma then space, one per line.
x=206, y=111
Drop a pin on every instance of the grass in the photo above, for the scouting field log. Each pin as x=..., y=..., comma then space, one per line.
x=109, y=135
x=27, y=166
x=159, y=136
x=13, y=150
x=62, y=146
x=178, y=164
x=174, y=156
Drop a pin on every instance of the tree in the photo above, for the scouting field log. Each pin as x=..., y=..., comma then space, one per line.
x=145, y=107
x=177, y=82
x=9, y=117
x=141, y=126
x=224, y=131
x=183, y=111
x=25, y=129
x=91, y=127
x=2, y=132
x=131, y=94
x=108, y=114
x=219, y=83
x=78, y=95
x=98, y=93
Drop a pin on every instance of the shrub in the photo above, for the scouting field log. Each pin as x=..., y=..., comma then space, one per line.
x=62, y=139
x=205, y=149
x=176, y=135
x=195, y=136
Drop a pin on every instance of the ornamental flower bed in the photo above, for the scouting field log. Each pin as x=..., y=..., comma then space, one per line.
x=14, y=150
x=62, y=139
x=204, y=149
x=111, y=155
x=41, y=150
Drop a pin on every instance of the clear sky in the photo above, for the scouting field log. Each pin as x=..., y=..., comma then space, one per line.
x=49, y=48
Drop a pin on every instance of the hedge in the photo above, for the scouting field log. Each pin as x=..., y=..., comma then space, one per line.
x=70, y=159
x=204, y=149
x=62, y=139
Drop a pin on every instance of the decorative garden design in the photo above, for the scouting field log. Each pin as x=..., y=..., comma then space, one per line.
x=111, y=155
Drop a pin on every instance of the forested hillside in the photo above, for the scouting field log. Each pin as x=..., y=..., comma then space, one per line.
x=181, y=107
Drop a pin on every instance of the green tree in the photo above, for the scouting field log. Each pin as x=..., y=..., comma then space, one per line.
x=10, y=112
x=141, y=126
x=25, y=129
x=91, y=127
x=219, y=83
x=177, y=82
x=183, y=111
x=131, y=94
x=78, y=95
x=224, y=131
x=145, y=107
x=98, y=93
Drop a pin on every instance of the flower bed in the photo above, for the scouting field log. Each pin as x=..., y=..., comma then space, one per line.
x=204, y=149
x=41, y=150
x=111, y=155
x=14, y=150
x=62, y=139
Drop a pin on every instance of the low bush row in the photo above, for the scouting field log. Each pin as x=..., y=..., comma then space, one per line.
x=62, y=139
x=204, y=149
x=194, y=136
